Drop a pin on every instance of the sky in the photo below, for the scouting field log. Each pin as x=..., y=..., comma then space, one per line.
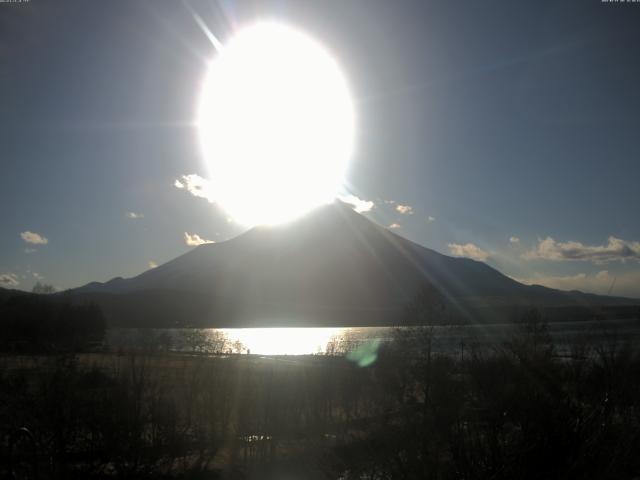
x=503, y=131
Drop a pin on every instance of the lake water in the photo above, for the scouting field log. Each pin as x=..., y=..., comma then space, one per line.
x=305, y=341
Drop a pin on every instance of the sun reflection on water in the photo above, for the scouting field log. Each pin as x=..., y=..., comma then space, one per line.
x=283, y=341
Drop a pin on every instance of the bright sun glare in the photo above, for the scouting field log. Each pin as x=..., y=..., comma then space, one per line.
x=284, y=341
x=276, y=124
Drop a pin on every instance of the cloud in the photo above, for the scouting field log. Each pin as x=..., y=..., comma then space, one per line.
x=431, y=219
x=626, y=284
x=616, y=249
x=8, y=280
x=193, y=240
x=203, y=188
x=152, y=264
x=404, y=209
x=359, y=205
x=468, y=250
x=514, y=240
x=35, y=238
x=395, y=226
x=196, y=186
x=134, y=215
x=37, y=276
x=30, y=250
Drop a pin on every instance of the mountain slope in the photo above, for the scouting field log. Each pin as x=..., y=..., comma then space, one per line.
x=332, y=267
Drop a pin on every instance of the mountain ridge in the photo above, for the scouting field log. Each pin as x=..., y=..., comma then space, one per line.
x=330, y=267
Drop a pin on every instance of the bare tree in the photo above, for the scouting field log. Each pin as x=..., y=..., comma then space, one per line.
x=43, y=288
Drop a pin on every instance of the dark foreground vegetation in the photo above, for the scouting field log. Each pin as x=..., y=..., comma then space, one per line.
x=45, y=323
x=517, y=411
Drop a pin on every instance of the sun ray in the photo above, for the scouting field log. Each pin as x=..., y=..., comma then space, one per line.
x=217, y=44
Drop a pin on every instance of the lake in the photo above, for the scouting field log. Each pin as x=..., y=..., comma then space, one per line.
x=306, y=341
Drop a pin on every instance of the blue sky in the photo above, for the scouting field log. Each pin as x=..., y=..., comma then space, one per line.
x=493, y=121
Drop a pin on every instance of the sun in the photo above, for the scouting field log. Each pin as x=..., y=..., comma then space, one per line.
x=276, y=124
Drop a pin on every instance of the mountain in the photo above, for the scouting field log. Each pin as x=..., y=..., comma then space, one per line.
x=331, y=267
x=7, y=293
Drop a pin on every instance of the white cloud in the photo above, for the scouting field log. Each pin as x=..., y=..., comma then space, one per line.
x=514, y=240
x=359, y=205
x=193, y=240
x=8, y=280
x=616, y=249
x=35, y=238
x=30, y=250
x=152, y=264
x=37, y=276
x=389, y=202
x=196, y=186
x=395, y=226
x=404, y=209
x=134, y=215
x=468, y=250
x=626, y=284
x=203, y=188
x=431, y=219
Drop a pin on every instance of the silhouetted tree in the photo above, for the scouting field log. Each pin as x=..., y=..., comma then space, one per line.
x=43, y=288
x=531, y=336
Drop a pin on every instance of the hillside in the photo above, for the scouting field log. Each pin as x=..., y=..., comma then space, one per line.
x=331, y=267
